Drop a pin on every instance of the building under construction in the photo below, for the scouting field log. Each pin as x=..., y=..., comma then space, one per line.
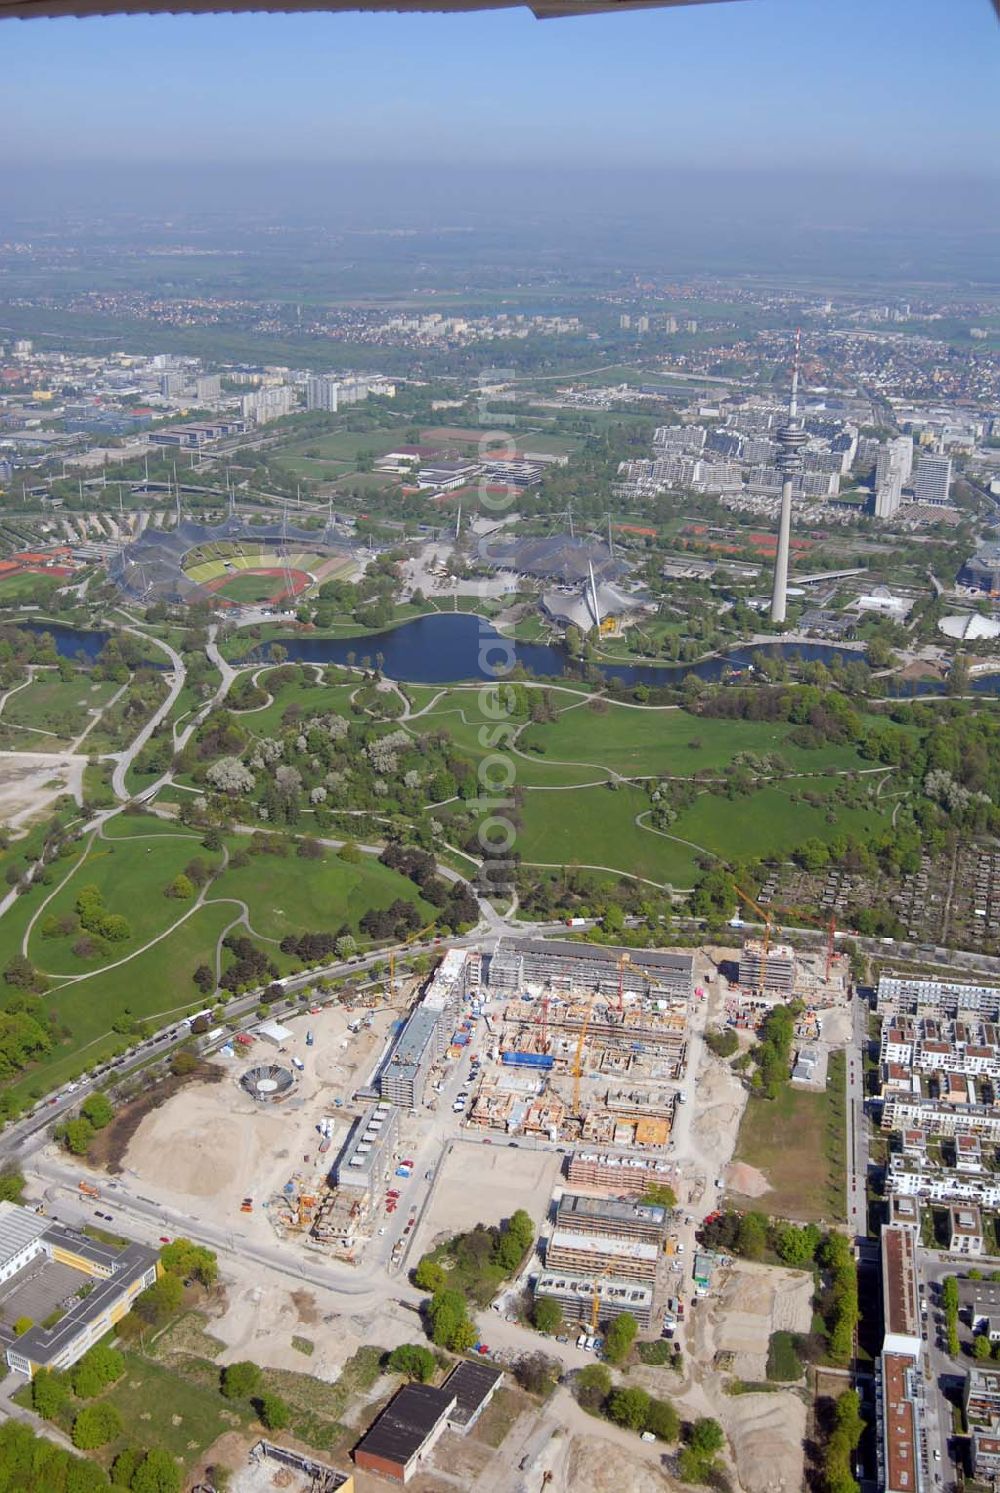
x=364, y=1164
x=576, y=1295
x=425, y=1036
x=619, y=1172
x=522, y=963
x=606, y=1237
x=766, y=966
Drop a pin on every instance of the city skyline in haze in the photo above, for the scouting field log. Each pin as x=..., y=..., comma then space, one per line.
x=902, y=89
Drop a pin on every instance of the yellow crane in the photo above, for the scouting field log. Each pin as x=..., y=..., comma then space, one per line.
x=595, y=1308
x=578, y=1057
x=769, y=927
x=406, y=941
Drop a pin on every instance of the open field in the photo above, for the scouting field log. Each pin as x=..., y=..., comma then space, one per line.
x=669, y=742
x=132, y=875
x=30, y=783
x=796, y=1141
x=485, y=1184
x=48, y=714
x=27, y=585
x=326, y=457
x=297, y=896
x=162, y=1408
x=766, y=823
x=596, y=827
x=155, y=985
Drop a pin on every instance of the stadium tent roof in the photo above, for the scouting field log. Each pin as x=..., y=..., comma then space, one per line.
x=969, y=627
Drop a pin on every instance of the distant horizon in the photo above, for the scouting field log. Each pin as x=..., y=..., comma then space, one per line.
x=796, y=83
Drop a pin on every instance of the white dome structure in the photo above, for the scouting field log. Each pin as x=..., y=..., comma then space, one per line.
x=969, y=627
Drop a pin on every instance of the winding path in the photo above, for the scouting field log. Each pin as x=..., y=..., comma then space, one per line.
x=128, y=756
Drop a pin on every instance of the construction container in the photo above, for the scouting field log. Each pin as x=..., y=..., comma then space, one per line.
x=528, y=1060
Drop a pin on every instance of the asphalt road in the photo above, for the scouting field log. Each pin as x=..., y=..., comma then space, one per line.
x=857, y=1126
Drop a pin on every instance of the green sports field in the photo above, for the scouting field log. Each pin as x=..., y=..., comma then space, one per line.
x=247, y=588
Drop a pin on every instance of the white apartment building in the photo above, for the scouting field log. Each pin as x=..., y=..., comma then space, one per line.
x=900, y=994
x=933, y=479
x=322, y=392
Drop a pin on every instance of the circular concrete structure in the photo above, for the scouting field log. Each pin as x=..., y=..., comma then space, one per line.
x=268, y=1083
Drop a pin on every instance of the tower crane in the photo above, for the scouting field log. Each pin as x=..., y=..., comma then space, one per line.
x=769, y=928
x=578, y=1056
x=626, y=958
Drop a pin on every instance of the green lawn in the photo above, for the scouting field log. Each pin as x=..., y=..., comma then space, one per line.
x=132, y=875
x=292, y=895
x=49, y=705
x=341, y=448
x=310, y=697
x=247, y=587
x=798, y=1141
x=28, y=587
x=765, y=823
x=154, y=986
x=160, y=1407
x=595, y=827
x=672, y=742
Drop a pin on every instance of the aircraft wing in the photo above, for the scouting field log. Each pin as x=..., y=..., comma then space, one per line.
x=543, y=9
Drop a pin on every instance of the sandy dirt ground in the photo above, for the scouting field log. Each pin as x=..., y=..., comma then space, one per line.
x=766, y=1432
x=261, y=1313
x=749, y=1303
x=483, y=1184
x=30, y=782
x=589, y=1463
x=213, y=1145
x=720, y=1100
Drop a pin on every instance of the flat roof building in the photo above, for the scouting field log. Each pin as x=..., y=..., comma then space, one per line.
x=612, y=1217
x=405, y=1432
x=982, y=1396
x=425, y=1035
x=115, y=1277
x=518, y=962
x=965, y=1225
x=364, y=1163
x=901, y=1467
x=901, y=994
x=900, y=1299
x=473, y=1384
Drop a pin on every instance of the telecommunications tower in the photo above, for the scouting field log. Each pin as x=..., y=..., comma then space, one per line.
x=792, y=436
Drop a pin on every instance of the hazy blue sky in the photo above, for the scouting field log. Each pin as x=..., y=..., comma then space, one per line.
x=904, y=85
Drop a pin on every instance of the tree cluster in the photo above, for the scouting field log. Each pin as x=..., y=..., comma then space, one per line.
x=251, y=966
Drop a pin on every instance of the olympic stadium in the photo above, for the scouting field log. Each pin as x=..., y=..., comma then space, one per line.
x=232, y=564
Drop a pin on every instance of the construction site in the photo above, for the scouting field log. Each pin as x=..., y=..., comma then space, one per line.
x=286, y=1114
x=588, y=1043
